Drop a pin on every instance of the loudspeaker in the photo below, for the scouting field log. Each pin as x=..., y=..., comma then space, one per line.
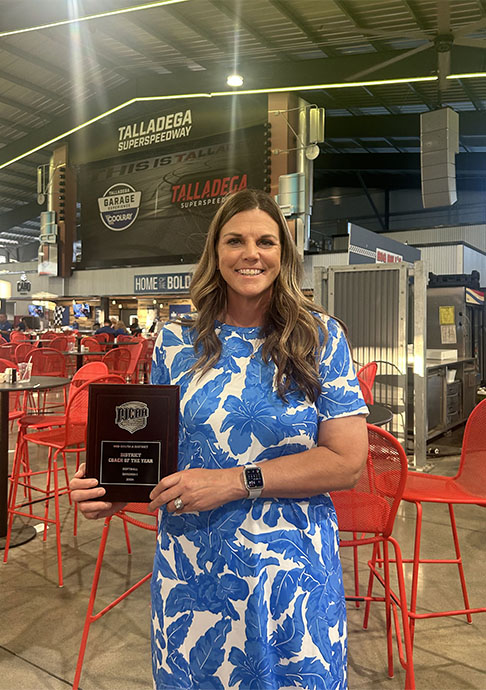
x=439, y=143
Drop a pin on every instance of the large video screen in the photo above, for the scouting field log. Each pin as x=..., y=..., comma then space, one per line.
x=36, y=310
x=81, y=310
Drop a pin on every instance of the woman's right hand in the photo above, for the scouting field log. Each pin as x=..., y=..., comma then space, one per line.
x=85, y=492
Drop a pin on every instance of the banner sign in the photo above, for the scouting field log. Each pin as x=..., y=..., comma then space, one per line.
x=172, y=125
x=155, y=206
x=158, y=283
x=367, y=247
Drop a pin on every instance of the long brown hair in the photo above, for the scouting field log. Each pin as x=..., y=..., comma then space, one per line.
x=293, y=334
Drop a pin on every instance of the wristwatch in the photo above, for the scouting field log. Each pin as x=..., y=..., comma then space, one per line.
x=253, y=479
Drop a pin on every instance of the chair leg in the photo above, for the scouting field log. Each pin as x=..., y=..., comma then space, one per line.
x=92, y=597
x=127, y=536
x=374, y=556
x=416, y=565
x=356, y=570
x=459, y=561
x=408, y=657
x=388, y=616
x=58, y=522
x=48, y=492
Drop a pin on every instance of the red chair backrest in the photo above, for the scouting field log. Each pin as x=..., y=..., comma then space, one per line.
x=17, y=336
x=3, y=340
x=372, y=505
x=91, y=343
x=60, y=343
x=471, y=475
x=118, y=360
x=77, y=410
x=7, y=351
x=366, y=391
x=368, y=373
x=135, y=352
x=87, y=373
x=47, y=362
x=49, y=335
x=125, y=338
x=23, y=350
x=102, y=337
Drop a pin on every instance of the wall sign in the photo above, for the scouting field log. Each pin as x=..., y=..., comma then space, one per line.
x=157, y=283
x=367, y=247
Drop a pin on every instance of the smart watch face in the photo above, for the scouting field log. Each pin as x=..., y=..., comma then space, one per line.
x=254, y=478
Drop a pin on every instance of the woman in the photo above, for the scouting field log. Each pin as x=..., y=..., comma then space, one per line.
x=120, y=328
x=247, y=584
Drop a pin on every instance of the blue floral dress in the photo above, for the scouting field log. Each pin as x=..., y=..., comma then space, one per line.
x=249, y=596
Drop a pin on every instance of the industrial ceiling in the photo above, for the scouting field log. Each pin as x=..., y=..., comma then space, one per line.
x=64, y=73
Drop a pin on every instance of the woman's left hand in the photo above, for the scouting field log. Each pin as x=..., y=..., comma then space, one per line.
x=198, y=489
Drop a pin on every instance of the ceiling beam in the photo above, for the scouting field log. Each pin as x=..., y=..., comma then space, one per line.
x=473, y=164
x=19, y=216
x=470, y=124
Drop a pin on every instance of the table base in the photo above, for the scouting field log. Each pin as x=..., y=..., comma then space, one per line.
x=20, y=535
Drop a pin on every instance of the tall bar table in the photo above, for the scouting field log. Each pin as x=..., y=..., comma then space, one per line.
x=20, y=535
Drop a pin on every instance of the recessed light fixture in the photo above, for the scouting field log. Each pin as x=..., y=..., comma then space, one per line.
x=234, y=80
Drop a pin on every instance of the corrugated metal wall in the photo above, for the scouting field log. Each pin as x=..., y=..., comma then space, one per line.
x=372, y=301
x=474, y=235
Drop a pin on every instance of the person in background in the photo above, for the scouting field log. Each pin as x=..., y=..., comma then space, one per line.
x=107, y=327
x=120, y=328
x=135, y=327
x=5, y=326
x=96, y=325
x=22, y=326
x=247, y=587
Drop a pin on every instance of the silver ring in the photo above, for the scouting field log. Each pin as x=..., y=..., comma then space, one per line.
x=179, y=503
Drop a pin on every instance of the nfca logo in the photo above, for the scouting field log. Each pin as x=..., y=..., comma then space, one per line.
x=132, y=416
x=119, y=206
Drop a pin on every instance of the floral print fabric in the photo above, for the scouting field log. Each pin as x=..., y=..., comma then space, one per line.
x=249, y=596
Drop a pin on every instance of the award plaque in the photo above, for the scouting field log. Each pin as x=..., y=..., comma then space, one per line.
x=132, y=438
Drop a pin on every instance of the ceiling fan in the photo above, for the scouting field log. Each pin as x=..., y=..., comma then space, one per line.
x=441, y=40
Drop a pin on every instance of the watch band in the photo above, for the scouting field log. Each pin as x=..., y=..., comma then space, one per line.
x=254, y=491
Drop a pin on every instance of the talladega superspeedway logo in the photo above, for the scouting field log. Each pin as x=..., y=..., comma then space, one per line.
x=119, y=206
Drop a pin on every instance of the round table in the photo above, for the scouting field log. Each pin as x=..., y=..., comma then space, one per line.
x=20, y=535
x=379, y=415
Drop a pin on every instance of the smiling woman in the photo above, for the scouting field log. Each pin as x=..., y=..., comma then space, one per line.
x=247, y=585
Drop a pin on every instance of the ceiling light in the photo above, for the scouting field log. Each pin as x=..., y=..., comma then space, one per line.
x=234, y=80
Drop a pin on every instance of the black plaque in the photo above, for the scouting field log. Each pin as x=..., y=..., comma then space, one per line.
x=132, y=438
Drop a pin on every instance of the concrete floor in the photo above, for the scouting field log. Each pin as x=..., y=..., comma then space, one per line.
x=41, y=624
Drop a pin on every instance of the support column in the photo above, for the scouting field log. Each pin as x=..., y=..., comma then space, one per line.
x=283, y=116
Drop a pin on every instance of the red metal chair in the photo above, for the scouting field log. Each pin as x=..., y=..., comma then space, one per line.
x=60, y=343
x=47, y=362
x=139, y=509
x=118, y=361
x=125, y=338
x=367, y=376
x=23, y=350
x=93, y=345
x=87, y=373
x=7, y=351
x=3, y=341
x=68, y=437
x=370, y=510
x=15, y=405
x=467, y=487
x=135, y=352
x=18, y=337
